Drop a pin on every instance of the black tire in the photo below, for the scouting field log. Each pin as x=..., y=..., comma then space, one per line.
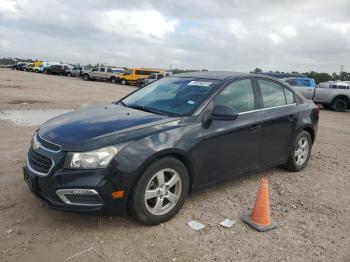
x=86, y=77
x=339, y=105
x=137, y=205
x=123, y=82
x=113, y=80
x=291, y=164
x=326, y=106
x=69, y=74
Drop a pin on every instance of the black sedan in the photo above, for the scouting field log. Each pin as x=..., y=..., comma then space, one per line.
x=146, y=152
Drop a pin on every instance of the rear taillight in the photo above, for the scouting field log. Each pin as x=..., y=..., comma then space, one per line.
x=317, y=109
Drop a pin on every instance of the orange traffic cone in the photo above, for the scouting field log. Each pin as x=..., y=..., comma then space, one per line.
x=260, y=217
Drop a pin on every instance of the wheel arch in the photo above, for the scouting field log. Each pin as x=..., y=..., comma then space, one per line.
x=311, y=132
x=174, y=153
x=341, y=97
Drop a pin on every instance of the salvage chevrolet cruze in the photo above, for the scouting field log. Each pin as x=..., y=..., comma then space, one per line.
x=145, y=153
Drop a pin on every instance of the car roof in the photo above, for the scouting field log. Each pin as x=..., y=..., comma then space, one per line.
x=284, y=75
x=216, y=75
x=219, y=75
x=296, y=77
x=340, y=83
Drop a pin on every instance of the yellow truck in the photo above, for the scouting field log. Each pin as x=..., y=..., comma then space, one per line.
x=133, y=75
x=35, y=66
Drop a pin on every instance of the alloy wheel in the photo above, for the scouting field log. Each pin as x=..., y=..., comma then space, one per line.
x=301, y=151
x=163, y=191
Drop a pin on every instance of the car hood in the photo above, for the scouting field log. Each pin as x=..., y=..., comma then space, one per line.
x=95, y=127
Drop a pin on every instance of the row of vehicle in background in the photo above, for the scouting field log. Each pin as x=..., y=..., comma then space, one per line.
x=133, y=76
x=333, y=95
x=37, y=66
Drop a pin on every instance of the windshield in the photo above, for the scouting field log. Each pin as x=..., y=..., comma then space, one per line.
x=172, y=96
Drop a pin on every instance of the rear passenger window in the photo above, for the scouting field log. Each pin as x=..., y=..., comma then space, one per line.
x=289, y=96
x=272, y=93
x=238, y=95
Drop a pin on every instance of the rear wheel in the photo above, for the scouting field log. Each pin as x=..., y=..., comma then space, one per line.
x=86, y=77
x=339, y=105
x=69, y=74
x=160, y=192
x=300, y=154
x=124, y=82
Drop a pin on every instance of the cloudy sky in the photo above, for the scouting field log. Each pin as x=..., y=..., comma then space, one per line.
x=238, y=35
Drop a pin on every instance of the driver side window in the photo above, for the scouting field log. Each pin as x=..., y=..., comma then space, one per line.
x=238, y=95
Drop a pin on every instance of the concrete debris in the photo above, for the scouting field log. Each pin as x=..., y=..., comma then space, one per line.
x=195, y=225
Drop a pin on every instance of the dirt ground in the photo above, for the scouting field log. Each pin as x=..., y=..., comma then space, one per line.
x=312, y=207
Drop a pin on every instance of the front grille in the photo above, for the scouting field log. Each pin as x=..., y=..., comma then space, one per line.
x=47, y=144
x=39, y=162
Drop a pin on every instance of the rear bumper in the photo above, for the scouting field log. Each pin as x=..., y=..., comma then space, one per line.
x=103, y=181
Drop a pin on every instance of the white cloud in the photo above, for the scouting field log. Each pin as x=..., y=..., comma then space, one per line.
x=4, y=44
x=289, y=31
x=341, y=27
x=149, y=23
x=7, y=6
x=238, y=29
x=274, y=38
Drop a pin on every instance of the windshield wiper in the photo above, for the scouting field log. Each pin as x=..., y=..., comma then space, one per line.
x=147, y=109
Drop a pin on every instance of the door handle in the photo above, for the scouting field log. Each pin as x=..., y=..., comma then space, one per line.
x=291, y=118
x=254, y=127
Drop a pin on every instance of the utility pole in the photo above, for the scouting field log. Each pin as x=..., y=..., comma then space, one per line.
x=341, y=72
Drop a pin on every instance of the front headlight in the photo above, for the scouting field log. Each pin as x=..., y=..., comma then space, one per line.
x=98, y=158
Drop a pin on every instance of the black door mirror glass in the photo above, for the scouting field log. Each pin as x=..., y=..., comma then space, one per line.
x=224, y=113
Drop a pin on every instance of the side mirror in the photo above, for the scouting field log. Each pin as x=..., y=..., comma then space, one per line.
x=224, y=113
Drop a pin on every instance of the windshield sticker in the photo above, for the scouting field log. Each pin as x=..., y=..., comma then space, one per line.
x=199, y=83
x=190, y=102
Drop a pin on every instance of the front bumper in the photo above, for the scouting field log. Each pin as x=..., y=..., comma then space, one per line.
x=103, y=181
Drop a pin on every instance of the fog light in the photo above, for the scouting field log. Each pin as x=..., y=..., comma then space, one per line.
x=80, y=197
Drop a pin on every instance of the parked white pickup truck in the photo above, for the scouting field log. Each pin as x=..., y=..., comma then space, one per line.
x=101, y=73
x=336, y=96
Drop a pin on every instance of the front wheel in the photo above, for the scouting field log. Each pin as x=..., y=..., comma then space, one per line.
x=86, y=77
x=69, y=74
x=160, y=192
x=124, y=82
x=113, y=80
x=300, y=154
